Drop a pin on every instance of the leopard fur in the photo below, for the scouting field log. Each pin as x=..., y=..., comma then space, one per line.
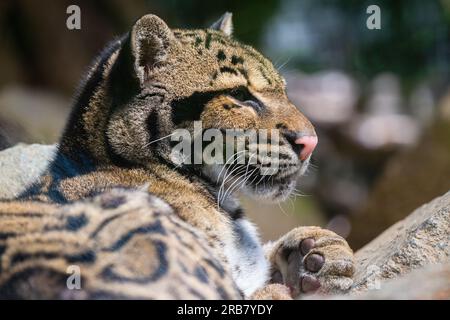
x=105, y=236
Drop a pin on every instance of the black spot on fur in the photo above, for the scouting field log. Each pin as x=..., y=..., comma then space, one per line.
x=190, y=108
x=201, y=274
x=75, y=223
x=153, y=127
x=283, y=156
x=21, y=257
x=2, y=251
x=84, y=257
x=190, y=34
x=219, y=37
x=265, y=76
x=221, y=55
x=150, y=228
x=88, y=256
x=208, y=40
x=237, y=214
x=231, y=106
x=18, y=285
x=236, y=60
x=244, y=73
x=103, y=224
x=224, y=295
x=198, y=41
x=197, y=294
x=6, y=235
x=228, y=70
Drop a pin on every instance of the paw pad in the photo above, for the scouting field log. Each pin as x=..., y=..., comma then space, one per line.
x=314, y=262
x=313, y=259
x=306, y=245
x=309, y=284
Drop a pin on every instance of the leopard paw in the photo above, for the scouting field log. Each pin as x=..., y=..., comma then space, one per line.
x=311, y=259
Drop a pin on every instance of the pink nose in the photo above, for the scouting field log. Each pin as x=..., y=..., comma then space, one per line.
x=309, y=143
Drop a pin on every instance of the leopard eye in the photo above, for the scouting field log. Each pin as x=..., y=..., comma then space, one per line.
x=244, y=96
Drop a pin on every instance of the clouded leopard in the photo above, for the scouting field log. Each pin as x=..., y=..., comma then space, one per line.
x=139, y=224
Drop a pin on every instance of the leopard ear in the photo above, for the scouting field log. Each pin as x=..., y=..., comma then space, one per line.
x=224, y=24
x=150, y=40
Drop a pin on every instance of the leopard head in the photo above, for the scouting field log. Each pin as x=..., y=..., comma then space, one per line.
x=156, y=81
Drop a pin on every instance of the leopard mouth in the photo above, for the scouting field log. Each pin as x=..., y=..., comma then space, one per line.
x=250, y=180
x=279, y=186
x=272, y=178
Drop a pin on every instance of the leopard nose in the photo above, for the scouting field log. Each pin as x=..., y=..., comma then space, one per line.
x=307, y=145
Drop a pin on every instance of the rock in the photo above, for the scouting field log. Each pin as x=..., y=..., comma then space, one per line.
x=430, y=282
x=420, y=239
x=410, y=260
x=21, y=165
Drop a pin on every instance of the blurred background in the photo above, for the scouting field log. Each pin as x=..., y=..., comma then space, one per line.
x=380, y=99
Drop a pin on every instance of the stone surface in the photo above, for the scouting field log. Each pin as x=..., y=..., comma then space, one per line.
x=21, y=165
x=430, y=282
x=420, y=239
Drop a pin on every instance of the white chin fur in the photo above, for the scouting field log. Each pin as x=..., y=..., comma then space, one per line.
x=264, y=192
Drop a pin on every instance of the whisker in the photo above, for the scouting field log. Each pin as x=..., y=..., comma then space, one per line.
x=286, y=62
x=159, y=139
x=226, y=162
x=276, y=62
x=235, y=183
x=246, y=171
x=292, y=204
x=221, y=194
x=281, y=208
x=225, y=176
x=241, y=183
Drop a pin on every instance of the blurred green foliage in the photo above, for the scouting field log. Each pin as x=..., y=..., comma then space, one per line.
x=414, y=41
